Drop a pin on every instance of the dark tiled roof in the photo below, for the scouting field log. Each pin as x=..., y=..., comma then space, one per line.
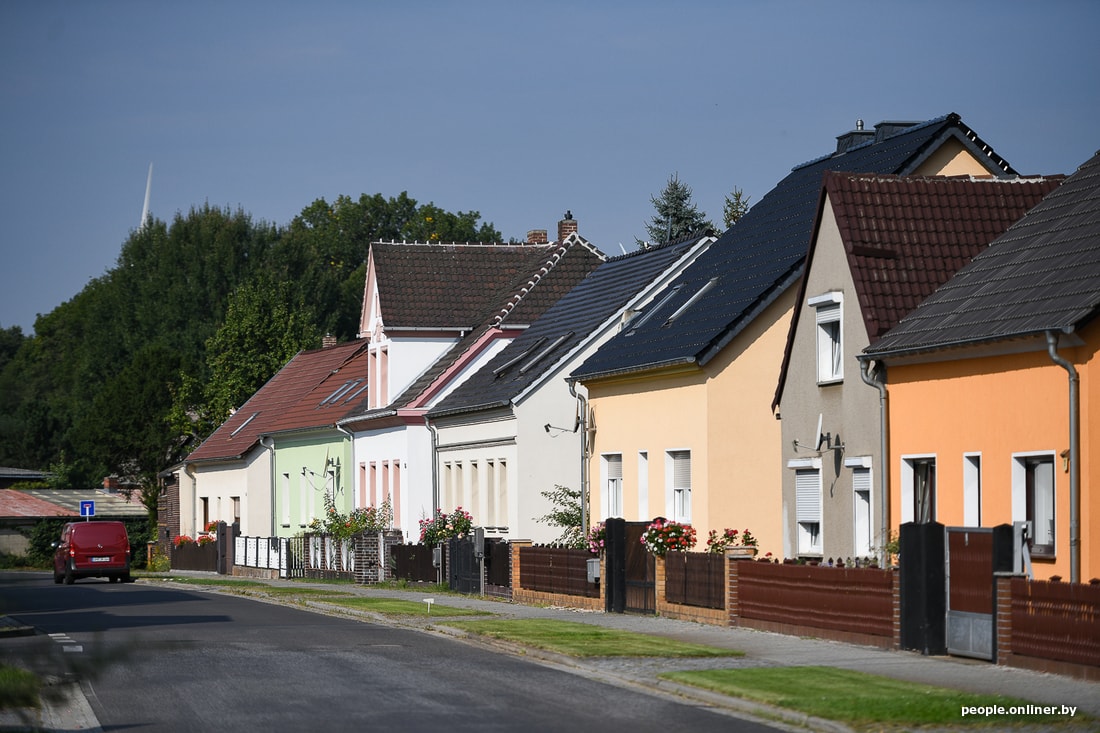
x=904, y=237
x=1042, y=274
x=516, y=304
x=287, y=401
x=424, y=285
x=758, y=258
x=564, y=327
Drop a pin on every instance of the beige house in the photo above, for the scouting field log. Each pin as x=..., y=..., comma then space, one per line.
x=681, y=396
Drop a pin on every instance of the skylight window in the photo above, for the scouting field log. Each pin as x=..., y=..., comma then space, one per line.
x=520, y=357
x=343, y=390
x=692, y=300
x=653, y=308
x=553, y=345
x=356, y=393
x=242, y=425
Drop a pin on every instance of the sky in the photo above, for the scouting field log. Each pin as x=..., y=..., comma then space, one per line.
x=518, y=110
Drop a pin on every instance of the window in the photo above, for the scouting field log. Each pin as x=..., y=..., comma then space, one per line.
x=285, y=503
x=830, y=356
x=972, y=490
x=1033, y=500
x=807, y=488
x=236, y=509
x=643, y=484
x=918, y=489
x=680, y=461
x=613, y=484
x=861, y=500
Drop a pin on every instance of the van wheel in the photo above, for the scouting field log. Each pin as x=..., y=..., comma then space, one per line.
x=69, y=577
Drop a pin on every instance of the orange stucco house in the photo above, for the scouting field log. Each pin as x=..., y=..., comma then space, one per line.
x=993, y=387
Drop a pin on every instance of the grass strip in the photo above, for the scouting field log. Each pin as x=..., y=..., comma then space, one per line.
x=859, y=699
x=577, y=639
x=18, y=688
x=399, y=607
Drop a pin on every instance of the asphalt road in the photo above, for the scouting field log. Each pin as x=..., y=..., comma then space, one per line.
x=163, y=659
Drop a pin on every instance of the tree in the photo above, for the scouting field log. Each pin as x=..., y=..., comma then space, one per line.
x=677, y=217
x=565, y=515
x=737, y=205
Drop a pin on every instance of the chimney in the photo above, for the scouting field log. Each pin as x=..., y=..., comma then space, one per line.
x=855, y=137
x=567, y=226
x=328, y=341
x=537, y=236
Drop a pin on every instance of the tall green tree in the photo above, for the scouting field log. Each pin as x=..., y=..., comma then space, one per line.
x=736, y=206
x=677, y=216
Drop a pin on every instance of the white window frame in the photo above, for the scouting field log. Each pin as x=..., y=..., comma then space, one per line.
x=611, y=469
x=863, y=504
x=643, y=484
x=678, y=478
x=908, y=475
x=829, y=317
x=1020, y=502
x=808, y=505
x=972, y=489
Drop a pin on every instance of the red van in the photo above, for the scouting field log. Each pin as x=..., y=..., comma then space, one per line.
x=92, y=550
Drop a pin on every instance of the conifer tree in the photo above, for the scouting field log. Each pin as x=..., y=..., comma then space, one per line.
x=677, y=216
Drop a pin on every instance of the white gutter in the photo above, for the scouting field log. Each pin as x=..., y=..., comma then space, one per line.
x=1074, y=456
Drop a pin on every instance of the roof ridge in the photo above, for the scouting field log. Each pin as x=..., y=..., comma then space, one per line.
x=560, y=251
x=862, y=146
x=488, y=245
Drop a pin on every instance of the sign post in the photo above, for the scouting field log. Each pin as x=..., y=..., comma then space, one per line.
x=87, y=509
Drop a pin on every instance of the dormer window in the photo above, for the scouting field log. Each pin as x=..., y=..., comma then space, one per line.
x=830, y=341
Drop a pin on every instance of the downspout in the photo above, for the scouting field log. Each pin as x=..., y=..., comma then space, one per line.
x=879, y=383
x=1074, y=457
x=271, y=470
x=189, y=470
x=435, y=463
x=354, y=465
x=582, y=424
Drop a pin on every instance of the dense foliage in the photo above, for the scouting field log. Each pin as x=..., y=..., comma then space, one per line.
x=677, y=216
x=133, y=372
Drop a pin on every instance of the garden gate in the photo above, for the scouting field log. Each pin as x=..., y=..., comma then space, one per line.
x=974, y=554
x=464, y=566
x=631, y=570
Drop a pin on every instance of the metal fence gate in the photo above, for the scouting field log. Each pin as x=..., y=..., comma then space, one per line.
x=463, y=568
x=631, y=570
x=974, y=554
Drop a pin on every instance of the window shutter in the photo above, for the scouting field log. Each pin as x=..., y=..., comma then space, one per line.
x=807, y=486
x=828, y=312
x=681, y=469
x=614, y=467
x=861, y=479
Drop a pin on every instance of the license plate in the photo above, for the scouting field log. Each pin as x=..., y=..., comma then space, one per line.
x=100, y=559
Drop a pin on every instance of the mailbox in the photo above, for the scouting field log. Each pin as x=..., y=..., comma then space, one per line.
x=594, y=570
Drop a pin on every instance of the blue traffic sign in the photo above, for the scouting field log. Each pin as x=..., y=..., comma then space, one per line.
x=87, y=508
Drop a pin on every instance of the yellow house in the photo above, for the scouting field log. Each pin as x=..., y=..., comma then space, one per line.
x=992, y=387
x=680, y=398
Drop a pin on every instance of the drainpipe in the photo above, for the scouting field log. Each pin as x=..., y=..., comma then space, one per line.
x=435, y=464
x=582, y=424
x=879, y=383
x=271, y=470
x=354, y=466
x=189, y=469
x=1074, y=457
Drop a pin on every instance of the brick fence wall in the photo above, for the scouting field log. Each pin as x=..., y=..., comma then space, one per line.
x=531, y=597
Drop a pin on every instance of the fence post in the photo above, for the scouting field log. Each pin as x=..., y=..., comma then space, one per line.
x=733, y=603
x=922, y=564
x=1002, y=617
x=615, y=551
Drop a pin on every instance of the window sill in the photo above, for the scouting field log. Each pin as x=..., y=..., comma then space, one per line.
x=829, y=382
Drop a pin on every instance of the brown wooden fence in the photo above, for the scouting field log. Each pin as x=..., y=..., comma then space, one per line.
x=857, y=602
x=556, y=570
x=696, y=579
x=1056, y=621
x=414, y=563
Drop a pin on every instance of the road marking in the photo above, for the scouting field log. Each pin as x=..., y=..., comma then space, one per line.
x=68, y=644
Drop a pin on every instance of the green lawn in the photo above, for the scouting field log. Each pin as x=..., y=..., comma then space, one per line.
x=584, y=640
x=399, y=607
x=858, y=699
x=18, y=688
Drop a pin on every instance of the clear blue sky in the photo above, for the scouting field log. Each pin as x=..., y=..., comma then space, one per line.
x=516, y=110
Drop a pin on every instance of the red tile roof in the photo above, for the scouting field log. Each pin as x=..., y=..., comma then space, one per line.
x=287, y=401
x=14, y=503
x=906, y=236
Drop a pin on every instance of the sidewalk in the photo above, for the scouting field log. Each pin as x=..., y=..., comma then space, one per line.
x=762, y=649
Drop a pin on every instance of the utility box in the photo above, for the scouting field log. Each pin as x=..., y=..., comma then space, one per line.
x=594, y=570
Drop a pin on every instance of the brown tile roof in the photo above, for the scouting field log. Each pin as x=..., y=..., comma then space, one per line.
x=428, y=285
x=907, y=236
x=290, y=400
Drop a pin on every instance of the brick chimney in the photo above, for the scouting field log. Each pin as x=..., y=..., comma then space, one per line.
x=567, y=226
x=537, y=236
x=328, y=341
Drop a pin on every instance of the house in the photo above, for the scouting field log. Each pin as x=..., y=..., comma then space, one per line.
x=880, y=245
x=513, y=429
x=682, y=396
x=433, y=314
x=991, y=387
x=268, y=467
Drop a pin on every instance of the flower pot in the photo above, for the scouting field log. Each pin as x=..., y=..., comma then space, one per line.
x=741, y=553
